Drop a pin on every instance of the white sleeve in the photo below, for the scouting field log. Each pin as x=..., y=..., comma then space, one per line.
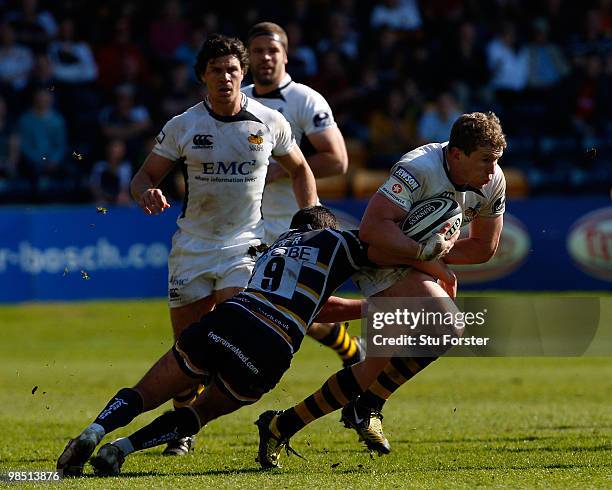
x=496, y=204
x=166, y=141
x=315, y=114
x=283, y=137
x=403, y=187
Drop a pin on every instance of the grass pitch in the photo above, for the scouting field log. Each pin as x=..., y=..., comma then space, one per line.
x=461, y=423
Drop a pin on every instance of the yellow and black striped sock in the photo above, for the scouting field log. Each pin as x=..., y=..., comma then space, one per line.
x=188, y=397
x=337, y=391
x=339, y=339
x=395, y=374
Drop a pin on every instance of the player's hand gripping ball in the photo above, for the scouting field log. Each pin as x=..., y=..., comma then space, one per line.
x=424, y=222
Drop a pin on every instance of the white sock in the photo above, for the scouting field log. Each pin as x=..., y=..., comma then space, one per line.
x=98, y=430
x=125, y=445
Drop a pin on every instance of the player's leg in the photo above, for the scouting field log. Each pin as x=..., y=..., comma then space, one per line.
x=158, y=385
x=181, y=423
x=181, y=317
x=192, y=267
x=335, y=336
x=363, y=414
x=240, y=374
x=277, y=427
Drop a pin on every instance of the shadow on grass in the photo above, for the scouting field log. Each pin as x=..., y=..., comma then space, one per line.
x=220, y=472
x=604, y=447
x=473, y=439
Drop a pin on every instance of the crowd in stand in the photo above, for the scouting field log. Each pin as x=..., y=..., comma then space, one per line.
x=86, y=86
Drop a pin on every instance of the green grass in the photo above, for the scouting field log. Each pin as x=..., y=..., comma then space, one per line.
x=530, y=422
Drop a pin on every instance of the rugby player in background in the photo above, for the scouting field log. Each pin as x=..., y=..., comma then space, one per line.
x=314, y=129
x=223, y=145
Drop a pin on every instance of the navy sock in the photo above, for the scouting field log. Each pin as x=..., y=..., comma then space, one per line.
x=120, y=410
x=182, y=422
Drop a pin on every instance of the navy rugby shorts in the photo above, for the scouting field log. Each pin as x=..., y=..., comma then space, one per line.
x=245, y=357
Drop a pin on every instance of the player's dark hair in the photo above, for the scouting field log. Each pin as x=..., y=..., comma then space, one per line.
x=477, y=129
x=318, y=217
x=219, y=45
x=269, y=29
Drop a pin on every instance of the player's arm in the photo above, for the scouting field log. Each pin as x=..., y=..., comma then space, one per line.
x=341, y=310
x=144, y=184
x=330, y=157
x=302, y=179
x=481, y=244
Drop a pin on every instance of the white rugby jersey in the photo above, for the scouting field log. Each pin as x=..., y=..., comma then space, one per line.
x=224, y=163
x=308, y=113
x=423, y=173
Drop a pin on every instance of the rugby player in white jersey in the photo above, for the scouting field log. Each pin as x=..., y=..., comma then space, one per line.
x=313, y=126
x=464, y=169
x=223, y=145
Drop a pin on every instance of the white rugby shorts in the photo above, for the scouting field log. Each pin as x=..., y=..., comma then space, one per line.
x=373, y=280
x=196, y=268
x=274, y=227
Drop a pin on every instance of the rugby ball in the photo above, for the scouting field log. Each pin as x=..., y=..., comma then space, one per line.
x=428, y=216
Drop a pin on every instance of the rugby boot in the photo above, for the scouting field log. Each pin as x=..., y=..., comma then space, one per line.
x=108, y=461
x=271, y=446
x=368, y=425
x=76, y=453
x=180, y=447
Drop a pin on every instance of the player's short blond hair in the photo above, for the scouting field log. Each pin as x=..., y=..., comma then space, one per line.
x=476, y=130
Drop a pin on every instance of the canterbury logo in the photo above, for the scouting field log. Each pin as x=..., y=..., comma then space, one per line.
x=203, y=140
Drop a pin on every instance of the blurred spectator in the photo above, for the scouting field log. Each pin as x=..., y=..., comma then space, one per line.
x=391, y=130
x=590, y=39
x=186, y=53
x=41, y=77
x=42, y=134
x=110, y=178
x=72, y=60
x=16, y=61
x=34, y=29
x=436, y=122
x=507, y=60
x=121, y=58
x=546, y=65
x=399, y=15
x=467, y=66
x=302, y=59
x=332, y=79
x=181, y=93
x=169, y=31
x=340, y=37
x=589, y=87
x=125, y=120
x=9, y=144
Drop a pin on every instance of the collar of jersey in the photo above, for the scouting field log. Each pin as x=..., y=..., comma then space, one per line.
x=240, y=116
x=277, y=92
x=460, y=188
